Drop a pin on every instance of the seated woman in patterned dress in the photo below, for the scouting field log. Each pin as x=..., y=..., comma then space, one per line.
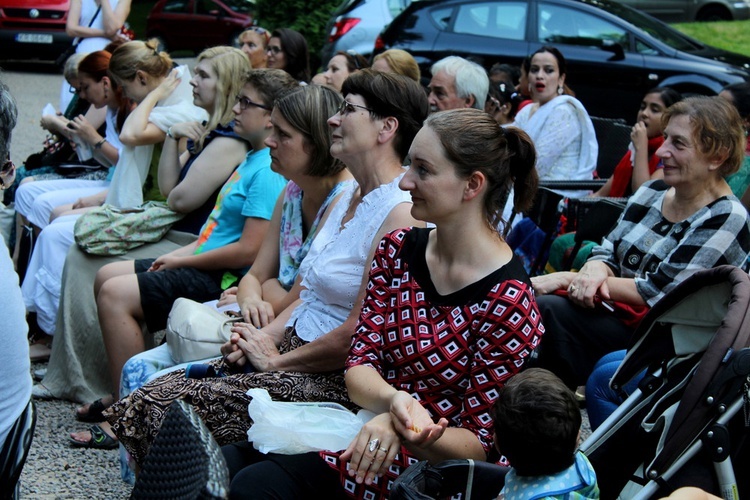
x=448, y=317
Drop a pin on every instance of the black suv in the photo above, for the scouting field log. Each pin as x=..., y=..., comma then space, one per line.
x=614, y=53
x=33, y=29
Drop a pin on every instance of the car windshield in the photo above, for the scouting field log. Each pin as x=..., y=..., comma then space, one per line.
x=671, y=37
x=242, y=6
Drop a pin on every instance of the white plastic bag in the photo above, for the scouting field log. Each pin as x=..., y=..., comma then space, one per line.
x=292, y=428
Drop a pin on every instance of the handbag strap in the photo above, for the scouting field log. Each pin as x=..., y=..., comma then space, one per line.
x=96, y=14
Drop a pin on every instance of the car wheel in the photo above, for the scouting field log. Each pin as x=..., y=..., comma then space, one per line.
x=714, y=13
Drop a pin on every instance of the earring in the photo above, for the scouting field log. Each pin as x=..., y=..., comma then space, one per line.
x=560, y=89
x=529, y=88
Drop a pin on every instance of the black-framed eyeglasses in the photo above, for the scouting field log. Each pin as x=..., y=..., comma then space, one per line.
x=274, y=49
x=246, y=103
x=355, y=57
x=347, y=107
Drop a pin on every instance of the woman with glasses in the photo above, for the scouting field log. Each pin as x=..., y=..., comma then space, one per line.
x=341, y=65
x=253, y=42
x=287, y=50
x=299, y=356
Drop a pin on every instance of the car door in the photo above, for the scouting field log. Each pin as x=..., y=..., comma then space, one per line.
x=606, y=76
x=171, y=19
x=486, y=32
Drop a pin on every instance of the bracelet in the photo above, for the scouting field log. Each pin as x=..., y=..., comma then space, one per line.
x=169, y=134
x=99, y=144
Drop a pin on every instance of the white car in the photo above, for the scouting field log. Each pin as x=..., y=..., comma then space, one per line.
x=355, y=24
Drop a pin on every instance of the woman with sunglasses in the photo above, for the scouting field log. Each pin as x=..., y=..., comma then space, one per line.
x=300, y=355
x=287, y=50
x=253, y=42
x=341, y=65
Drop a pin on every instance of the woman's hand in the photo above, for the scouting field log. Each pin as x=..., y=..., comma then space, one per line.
x=639, y=136
x=95, y=200
x=257, y=312
x=590, y=282
x=232, y=353
x=549, y=283
x=258, y=348
x=191, y=130
x=412, y=421
x=373, y=450
x=167, y=86
x=83, y=129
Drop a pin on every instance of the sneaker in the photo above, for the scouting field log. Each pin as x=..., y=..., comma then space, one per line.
x=41, y=392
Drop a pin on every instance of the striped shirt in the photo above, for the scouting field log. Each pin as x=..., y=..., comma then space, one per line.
x=659, y=254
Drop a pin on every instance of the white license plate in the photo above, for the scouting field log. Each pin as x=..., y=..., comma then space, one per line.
x=33, y=38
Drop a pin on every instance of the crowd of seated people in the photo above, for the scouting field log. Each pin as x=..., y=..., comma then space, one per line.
x=358, y=225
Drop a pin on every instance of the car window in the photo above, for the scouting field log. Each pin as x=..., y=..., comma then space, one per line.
x=242, y=6
x=562, y=25
x=176, y=6
x=492, y=19
x=442, y=17
x=206, y=7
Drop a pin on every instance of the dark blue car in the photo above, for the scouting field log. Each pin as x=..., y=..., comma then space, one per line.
x=614, y=53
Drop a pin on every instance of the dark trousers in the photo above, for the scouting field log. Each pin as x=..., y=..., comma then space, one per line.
x=260, y=476
x=575, y=338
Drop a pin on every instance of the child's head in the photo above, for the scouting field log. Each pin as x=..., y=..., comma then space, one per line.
x=537, y=421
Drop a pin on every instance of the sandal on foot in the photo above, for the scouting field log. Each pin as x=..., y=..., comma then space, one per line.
x=99, y=439
x=94, y=413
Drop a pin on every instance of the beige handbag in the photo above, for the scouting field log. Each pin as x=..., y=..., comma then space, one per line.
x=196, y=331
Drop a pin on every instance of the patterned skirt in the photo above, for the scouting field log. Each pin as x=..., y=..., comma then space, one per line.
x=221, y=401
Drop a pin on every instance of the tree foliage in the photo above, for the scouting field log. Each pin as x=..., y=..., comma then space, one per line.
x=307, y=17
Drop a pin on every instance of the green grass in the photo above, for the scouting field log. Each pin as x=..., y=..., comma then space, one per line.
x=728, y=35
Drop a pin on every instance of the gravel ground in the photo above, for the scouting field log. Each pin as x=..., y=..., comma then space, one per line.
x=54, y=469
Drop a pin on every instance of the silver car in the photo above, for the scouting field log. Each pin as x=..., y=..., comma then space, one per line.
x=684, y=11
x=355, y=24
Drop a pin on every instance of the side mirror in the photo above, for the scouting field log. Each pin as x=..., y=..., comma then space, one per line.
x=618, y=53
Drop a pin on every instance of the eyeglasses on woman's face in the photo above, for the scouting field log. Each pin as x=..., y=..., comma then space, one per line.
x=245, y=103
x=273, y=49
x=347, y=107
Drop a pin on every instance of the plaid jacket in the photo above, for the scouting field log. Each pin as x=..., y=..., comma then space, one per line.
x=659, y=254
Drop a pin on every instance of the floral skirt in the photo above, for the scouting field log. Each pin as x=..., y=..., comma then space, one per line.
x=220, y=401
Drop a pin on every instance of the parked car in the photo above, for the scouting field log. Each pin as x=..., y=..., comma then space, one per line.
x=685, y=11
x=355, y=24
x=614, y=53
x=197, y=24
x=33, y=29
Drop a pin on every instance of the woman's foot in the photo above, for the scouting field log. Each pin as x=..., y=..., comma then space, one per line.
x=92, y=412
x=97, y=436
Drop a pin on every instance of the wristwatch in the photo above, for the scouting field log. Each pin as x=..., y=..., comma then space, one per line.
x=99, y=144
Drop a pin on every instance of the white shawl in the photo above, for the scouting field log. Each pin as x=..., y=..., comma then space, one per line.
x=548, y=137
x=131, y=172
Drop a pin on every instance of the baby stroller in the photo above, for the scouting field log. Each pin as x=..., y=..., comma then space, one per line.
x=686, y=424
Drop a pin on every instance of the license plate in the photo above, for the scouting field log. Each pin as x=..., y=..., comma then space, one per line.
x=33, y=38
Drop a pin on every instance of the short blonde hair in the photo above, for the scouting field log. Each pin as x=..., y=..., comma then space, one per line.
x=401, y=62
